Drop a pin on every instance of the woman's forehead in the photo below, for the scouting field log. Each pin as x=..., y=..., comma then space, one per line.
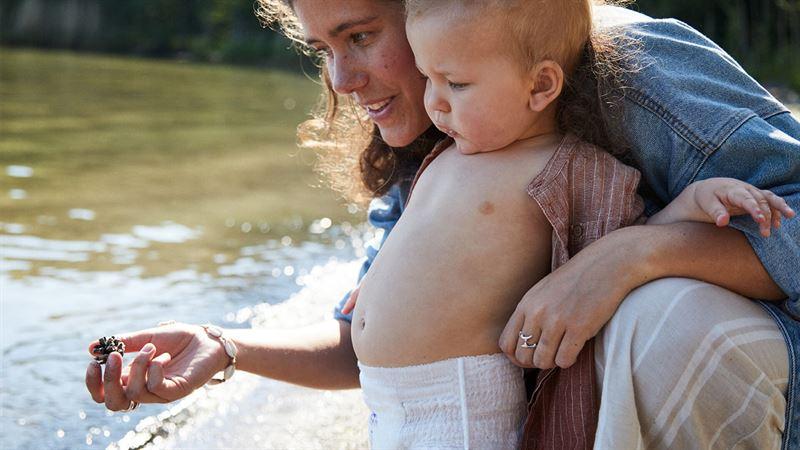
x=322, y=20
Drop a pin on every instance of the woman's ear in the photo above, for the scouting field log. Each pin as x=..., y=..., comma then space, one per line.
x=547, y=81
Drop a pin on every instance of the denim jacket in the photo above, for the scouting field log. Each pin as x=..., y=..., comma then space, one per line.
x=691, y=113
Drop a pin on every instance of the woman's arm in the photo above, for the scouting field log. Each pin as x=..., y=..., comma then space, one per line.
x=571, y=305
x=297, y=356
x=174, y=360
x=720, y=256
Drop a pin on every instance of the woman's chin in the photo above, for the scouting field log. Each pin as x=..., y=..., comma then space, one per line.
x=402, y=135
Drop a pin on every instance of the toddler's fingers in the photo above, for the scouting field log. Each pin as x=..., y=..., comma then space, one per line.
x=716, y=211
x=777, y=202
x=744, y=199
x=766, y=210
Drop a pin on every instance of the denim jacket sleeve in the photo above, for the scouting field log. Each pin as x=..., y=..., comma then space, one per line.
x=383, y=214
x=690, y=113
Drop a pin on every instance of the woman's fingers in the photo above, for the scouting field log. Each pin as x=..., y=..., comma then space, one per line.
x=137, y=375
x=157, y=382
x=545, y=354
x=571, y=346
x=94, y=381
x=509, y=338
x=114, y=393
x=524, y=354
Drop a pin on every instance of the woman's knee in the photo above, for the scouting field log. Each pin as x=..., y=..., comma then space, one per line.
x=674, y=319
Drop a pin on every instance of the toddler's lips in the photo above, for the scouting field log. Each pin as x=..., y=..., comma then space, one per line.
x=447, y=131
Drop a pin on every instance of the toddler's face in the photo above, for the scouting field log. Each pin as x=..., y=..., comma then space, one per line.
x=475, y=92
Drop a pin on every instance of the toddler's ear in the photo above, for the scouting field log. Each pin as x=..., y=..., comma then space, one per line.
x=547, y=81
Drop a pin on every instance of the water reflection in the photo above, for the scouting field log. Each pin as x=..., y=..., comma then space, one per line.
x=49, y=317
x=135, y=191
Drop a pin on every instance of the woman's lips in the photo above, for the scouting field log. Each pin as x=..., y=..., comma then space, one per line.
x=380, y=109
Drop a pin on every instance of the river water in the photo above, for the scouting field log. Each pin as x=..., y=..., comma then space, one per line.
x=134, y=191
x=49, y=319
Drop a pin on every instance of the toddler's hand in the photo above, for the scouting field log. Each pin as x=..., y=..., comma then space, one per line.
x=721, y=198
x=351, y=302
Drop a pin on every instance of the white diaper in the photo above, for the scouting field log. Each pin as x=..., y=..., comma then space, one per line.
x=468, y=402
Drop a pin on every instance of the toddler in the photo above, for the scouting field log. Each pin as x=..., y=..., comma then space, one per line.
x=494, y=208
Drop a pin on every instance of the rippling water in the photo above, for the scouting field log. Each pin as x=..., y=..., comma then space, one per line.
x=49, y=319
x=134, y=191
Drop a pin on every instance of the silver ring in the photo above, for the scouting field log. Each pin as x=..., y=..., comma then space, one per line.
x=525, y=343
x=133, y=405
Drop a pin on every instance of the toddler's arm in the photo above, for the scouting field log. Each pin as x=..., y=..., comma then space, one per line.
x=715, y=200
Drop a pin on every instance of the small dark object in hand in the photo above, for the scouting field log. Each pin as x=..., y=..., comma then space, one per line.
x=105, y=347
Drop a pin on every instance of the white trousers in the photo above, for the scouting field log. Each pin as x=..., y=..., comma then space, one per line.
x=688, y=365
x=468, y=402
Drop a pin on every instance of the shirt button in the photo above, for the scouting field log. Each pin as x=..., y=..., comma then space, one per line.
x=577, y=231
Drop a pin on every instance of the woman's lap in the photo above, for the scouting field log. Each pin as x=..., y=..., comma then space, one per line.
x=686, y=364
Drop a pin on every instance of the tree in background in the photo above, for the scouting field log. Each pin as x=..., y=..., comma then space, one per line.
x=764, y=35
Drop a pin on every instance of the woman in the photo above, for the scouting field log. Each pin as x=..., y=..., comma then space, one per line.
x=689, y=113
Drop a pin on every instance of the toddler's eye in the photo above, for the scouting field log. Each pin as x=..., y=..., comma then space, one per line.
x=457, y=86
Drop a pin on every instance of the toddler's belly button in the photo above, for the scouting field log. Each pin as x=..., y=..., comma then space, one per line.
x=362, y=323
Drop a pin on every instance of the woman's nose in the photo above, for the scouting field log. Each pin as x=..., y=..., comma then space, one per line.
x=346, y=75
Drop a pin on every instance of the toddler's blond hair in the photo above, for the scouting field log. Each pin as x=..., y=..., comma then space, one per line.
x=537, y=30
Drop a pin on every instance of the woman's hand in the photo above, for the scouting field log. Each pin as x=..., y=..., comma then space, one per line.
x=570, y=305
x=173, y=361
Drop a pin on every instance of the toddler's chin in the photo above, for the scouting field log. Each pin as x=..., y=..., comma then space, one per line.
x=466, y=148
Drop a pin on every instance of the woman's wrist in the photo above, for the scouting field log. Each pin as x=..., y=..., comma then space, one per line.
x=630, y=253
x=229, y=349
x=702, y=251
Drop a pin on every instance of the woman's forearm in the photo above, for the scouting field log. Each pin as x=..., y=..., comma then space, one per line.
x=720, y=256
x=319, y=356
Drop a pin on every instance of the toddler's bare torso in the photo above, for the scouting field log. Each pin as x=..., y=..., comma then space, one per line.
x=469, y=244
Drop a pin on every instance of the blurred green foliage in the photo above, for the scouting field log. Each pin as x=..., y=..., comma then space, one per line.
x=764, y=35
x=205, y=30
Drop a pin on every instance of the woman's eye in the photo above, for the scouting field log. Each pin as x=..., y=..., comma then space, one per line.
x=457, y=86
x=359, y=38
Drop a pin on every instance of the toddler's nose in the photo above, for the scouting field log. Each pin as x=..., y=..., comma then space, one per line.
x=435, y=104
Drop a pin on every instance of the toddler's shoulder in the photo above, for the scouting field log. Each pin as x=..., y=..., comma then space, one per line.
x=586, y=156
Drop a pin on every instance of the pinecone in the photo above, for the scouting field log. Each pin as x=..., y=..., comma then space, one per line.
x=105, y=347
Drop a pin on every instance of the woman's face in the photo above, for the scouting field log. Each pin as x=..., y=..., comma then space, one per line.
x=368, y=57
